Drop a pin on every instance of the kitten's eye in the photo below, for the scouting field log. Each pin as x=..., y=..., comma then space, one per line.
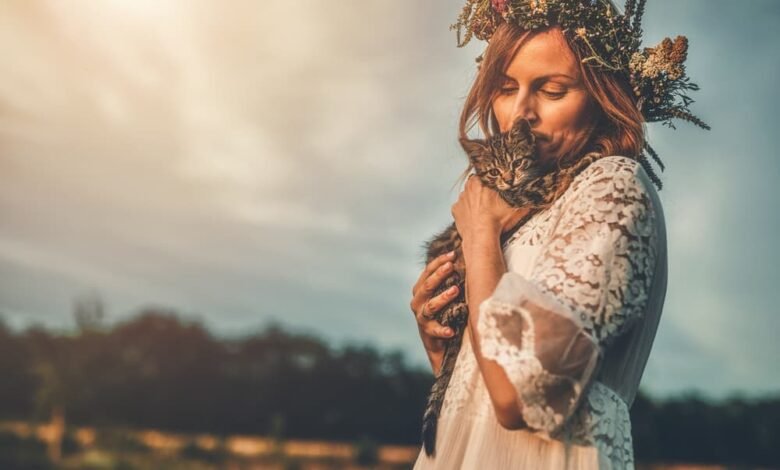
x=493, y=172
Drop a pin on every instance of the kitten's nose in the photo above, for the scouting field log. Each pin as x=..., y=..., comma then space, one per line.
x=507, y=177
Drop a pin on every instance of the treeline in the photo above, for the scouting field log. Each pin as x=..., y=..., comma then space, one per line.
x=158, y=370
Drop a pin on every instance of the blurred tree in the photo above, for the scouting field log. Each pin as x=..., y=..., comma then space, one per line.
x=89, y=313
x=64, y=368
x=159, y=370
x=18, y=382
x=58, y=376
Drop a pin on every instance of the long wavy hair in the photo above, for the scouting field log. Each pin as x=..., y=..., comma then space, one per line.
x=618, y=126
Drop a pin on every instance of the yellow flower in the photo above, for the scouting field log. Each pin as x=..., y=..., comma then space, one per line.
x=653, y=66
x=668, y=57
x=538, y=6
x=636, y=63
x=581, y=31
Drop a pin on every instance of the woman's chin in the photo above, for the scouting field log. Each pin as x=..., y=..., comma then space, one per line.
x=548, y=152
x=545, y=157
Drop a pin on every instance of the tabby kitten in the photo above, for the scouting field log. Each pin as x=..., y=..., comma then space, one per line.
x=508, y=163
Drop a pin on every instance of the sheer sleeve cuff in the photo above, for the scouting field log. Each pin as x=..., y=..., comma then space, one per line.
x=542, y=347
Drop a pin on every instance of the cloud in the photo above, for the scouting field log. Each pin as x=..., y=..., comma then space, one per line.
x=287, y=160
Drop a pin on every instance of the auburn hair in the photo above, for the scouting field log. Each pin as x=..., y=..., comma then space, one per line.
x=618, y=127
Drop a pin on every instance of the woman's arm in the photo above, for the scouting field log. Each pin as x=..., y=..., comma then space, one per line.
x=542, y=335
x=481, y=216
x=486, y=265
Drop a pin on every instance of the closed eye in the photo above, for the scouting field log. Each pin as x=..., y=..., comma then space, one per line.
x=550, y=94
x=554, y=94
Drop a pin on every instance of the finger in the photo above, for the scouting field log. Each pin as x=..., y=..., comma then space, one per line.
x=440, y=301
x=472, y=181
x=438, y=331
x=431, y=326
x=430, y=284
x=435, y=329
x=432, y=266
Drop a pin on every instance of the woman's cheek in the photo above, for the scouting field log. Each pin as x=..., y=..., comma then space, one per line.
x=502, y=111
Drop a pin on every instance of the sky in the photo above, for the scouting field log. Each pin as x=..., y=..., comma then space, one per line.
x=248, y=162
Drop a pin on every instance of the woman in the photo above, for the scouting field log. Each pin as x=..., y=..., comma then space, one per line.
x=564, y=313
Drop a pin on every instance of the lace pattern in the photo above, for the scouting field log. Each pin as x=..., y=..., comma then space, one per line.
x=548, y=381
x=588, y=286
x=532, y=233
x=600, y=258
x=603, y=421
x=461, y=389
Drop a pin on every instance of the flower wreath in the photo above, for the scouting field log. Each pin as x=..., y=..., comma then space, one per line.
x=657, y=74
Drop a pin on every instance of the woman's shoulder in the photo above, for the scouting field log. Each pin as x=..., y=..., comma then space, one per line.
x=618, y=167
x=615, y=174
x=614, y=186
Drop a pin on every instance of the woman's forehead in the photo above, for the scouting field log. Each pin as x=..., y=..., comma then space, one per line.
x=545, y=53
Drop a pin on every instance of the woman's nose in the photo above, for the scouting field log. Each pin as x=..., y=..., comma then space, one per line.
x=524, y=107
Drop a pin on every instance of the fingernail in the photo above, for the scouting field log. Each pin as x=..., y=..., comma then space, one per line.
x=451, y=254
x=452, y=289
x=447, y=331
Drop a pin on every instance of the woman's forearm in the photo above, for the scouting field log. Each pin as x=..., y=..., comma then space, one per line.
x=485, y=266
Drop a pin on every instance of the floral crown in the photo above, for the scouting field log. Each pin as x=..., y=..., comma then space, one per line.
x=612, y=40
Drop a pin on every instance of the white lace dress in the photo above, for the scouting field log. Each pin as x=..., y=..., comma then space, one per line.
x=571, y=322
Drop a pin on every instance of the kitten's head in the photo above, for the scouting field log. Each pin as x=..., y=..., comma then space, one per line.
x=506, y=160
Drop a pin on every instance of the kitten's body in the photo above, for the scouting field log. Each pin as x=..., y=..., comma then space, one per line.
x=508, y=163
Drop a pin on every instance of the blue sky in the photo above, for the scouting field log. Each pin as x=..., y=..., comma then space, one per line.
x=286, y=160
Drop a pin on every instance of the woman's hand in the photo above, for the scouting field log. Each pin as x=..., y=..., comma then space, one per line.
x=480, y=212
x=433, y=334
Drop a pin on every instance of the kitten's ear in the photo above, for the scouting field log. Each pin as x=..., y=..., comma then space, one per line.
x=520, y=131
x=477, y=150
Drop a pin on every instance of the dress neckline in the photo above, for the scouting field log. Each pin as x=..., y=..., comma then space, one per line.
x=508, y=234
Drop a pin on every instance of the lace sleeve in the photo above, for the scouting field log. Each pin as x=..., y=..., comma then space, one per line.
x=589, y=284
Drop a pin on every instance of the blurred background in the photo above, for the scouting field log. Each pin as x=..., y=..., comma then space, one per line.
x=213, y=214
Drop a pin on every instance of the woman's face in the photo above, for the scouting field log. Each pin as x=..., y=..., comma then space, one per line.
x=543, y=84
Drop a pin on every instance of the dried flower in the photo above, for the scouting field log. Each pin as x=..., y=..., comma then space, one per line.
x=667, y=57
x=611, y=40
x=636, y=64
x=499, y=5
x=538, y=6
